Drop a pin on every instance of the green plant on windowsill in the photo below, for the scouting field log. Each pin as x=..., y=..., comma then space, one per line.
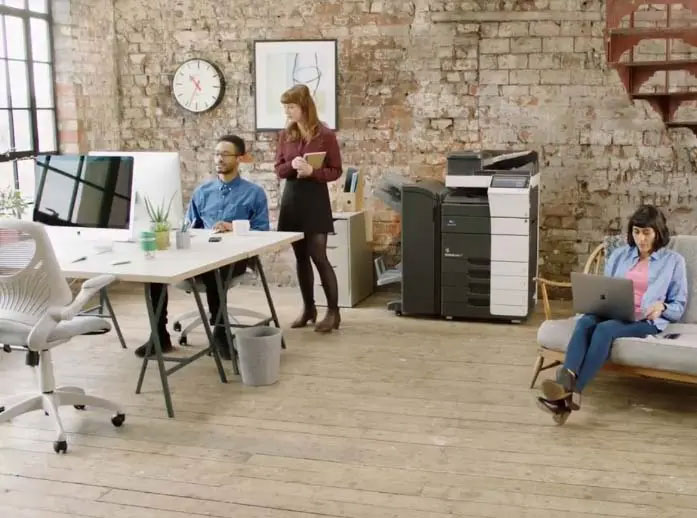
x=12, y=204
x=159, y=217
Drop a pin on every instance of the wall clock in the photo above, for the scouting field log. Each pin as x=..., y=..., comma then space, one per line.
x=198, y=85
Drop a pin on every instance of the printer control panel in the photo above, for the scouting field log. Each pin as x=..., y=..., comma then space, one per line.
x=510, y=181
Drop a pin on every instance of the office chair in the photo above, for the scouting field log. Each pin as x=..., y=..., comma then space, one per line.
x=37, y=313
x=389, y=190
x=387, y=276
x=235, y=314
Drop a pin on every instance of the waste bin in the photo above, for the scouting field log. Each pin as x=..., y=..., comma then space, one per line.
x=259, y=350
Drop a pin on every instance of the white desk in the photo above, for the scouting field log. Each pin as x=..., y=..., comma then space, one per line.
x=169, y=267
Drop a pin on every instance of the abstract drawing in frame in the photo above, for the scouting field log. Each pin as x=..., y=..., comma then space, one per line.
x=281, y=64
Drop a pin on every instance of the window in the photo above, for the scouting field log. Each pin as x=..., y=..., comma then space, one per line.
x=27, y=98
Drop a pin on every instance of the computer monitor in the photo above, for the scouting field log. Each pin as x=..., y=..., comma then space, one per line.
x=157, y=176
x=88, y=197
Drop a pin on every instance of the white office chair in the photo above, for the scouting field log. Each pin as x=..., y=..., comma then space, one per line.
x=387, y=276
x=236, y=315
x=37, y=313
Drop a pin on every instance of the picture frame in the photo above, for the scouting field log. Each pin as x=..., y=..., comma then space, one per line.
x=280, y=64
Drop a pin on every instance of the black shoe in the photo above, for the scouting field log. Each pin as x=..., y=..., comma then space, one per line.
x=562, y=387
x=165, y=342
x=220, y=341
x=558, y=409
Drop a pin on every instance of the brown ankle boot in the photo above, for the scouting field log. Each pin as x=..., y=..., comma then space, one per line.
x=308, y=315
x=331, y=321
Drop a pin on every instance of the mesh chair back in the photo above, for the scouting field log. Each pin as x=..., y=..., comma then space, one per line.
x=30, y=277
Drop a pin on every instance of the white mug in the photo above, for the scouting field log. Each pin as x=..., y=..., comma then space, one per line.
x=240, y=227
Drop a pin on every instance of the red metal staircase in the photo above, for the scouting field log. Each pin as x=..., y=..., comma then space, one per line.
x=635, y=73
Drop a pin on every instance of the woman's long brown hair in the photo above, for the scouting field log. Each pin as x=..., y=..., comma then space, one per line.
x=300, y=95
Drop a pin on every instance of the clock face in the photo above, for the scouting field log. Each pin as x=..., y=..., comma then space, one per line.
x=198, y=85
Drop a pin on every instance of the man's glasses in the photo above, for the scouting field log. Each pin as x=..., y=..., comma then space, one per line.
x=226, y=155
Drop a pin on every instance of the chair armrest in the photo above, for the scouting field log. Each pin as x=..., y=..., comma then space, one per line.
x=556, y=284
x=99, y=282
x=88, y=290
x=543, y=283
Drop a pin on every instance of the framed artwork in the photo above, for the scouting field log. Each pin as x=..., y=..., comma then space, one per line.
x=281, y=64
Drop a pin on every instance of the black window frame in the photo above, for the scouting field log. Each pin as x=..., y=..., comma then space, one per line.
x=26, y=15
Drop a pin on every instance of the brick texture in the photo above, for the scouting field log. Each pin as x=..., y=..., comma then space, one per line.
x=416, y=80
x=86, y=75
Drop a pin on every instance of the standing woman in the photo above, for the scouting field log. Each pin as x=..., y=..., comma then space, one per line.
x=305, y=205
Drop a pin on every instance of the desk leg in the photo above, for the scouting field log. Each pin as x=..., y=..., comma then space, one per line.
x=104, y=301
x=207, y=328
x=260, y=269
x=153, y=315
x=223, y=314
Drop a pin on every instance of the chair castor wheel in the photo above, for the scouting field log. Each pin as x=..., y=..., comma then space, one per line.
x=177, y=327
x=183, y=340
x=60, y=446
x=79, y=407
x=118, y=420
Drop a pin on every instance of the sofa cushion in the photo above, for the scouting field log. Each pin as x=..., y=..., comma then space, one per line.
x=687, y=247
x=654, y=352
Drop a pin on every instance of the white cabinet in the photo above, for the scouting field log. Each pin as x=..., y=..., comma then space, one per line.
x=351, y=258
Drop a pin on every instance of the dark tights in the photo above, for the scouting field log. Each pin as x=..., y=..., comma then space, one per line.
x=314, y=246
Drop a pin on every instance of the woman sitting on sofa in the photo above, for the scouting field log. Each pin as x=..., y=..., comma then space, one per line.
x=660, y=296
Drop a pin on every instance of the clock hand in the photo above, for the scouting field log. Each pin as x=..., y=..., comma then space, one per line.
x=197, y=84
x=192, y=96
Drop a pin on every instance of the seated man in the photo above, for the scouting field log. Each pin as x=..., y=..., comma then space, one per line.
x=214, y=205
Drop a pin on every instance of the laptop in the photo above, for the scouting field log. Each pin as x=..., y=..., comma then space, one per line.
x=606, y=297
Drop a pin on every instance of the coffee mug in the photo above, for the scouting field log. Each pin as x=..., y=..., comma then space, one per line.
x=240, y=227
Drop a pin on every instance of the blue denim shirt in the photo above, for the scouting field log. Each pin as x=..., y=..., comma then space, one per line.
x=219, y=201
x=667, y=280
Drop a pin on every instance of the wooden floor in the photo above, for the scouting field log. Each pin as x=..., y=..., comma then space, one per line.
x=389, y=417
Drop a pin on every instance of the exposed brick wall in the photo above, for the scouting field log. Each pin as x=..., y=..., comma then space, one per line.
x=86, y=75
x=417, y=80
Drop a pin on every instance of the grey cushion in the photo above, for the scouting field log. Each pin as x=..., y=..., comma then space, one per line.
x=687, y=247
x=654, y=352
x=16, y=333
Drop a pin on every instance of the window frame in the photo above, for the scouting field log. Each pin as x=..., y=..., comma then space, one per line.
x=26, y=15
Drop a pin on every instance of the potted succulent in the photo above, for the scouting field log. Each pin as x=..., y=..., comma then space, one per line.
x=12, y=204
x=159, y=216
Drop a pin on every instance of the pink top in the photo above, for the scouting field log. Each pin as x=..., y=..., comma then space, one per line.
x=640, y=277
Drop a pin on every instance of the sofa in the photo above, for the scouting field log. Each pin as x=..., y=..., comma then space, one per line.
x=654, y=356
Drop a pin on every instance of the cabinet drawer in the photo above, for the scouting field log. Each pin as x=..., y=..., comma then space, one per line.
x=345, y=296
x=509, y=283
x=338, y=255
x=342, y=277
x=509, y=297
x=509, y=310
x=509, y=268
x=510, y=226
x=510, y=248
x=340, y=236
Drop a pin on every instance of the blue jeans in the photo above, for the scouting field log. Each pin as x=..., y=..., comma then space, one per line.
x=591, y=341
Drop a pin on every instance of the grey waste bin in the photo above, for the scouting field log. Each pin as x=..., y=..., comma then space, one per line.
x=259, y=350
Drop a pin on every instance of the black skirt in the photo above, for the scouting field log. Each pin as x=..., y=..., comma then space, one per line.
x=305, y=207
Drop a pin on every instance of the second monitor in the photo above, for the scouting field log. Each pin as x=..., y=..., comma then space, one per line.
x=157, y=176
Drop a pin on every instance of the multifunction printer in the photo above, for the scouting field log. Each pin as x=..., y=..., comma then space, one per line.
x=470, y=245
